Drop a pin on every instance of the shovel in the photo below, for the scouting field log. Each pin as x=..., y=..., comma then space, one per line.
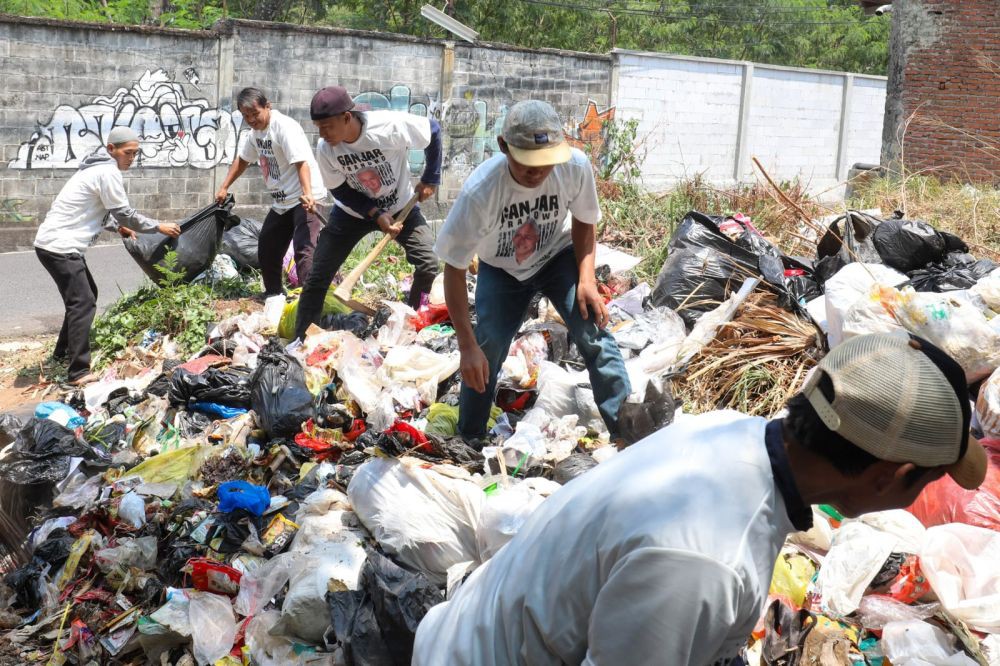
x=345, y=289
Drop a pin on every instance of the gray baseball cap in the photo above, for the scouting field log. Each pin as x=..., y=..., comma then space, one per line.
x=534, y=134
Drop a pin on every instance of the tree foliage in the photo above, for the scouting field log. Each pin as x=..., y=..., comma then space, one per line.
x=829, y=34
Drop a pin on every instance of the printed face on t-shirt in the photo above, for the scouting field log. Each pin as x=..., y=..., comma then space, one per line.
x=526, y=241
x=370, y=180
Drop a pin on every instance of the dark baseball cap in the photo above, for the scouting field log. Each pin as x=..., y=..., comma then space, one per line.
x=330, y=101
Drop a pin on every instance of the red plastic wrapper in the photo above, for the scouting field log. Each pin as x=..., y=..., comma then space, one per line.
x=944, y=501
x=429, y=315
x=901, y=578
x=211, y=576
x=418, y=438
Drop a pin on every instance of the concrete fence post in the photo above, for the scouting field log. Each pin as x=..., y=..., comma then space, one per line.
x=845, y=127
x=742, y=153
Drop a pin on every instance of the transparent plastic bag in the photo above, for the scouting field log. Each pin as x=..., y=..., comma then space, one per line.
x=213, y=626
x=988, y=406
x=918, y=643
x=878, y=610
x=132, y=509
x=960, y=561
x=139, y=553
x=504, y=512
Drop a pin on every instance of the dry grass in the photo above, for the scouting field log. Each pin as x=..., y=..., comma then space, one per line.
x=754, y=363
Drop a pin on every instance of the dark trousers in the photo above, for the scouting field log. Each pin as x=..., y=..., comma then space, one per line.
x=294, y=226
x=79, y=293
x=337, y=240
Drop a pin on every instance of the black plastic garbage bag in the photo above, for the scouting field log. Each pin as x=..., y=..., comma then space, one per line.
x=9, y=427
x=226, y=386
x=196, y=247
x=576, y=464
x=797, y=277
x=959, y=271
x=278, y=392
x=26, y=583
x=376, y=624
x=638, y=421
x=848, y=239
x=55, y=549
x=41, y=453
x=908, y=245
x=355, y=322
x=241, y=241
x=704, y=266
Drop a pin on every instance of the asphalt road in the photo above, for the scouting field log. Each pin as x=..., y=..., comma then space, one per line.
x=30, y=303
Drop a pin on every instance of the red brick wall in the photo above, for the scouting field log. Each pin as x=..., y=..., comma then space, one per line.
x=947, y=57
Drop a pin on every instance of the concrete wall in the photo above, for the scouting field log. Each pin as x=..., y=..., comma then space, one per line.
x=944, y=82
x=64, y=85
x=709, y=117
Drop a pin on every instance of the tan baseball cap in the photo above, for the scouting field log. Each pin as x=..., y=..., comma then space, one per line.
x=534, y=134
x=903, y=400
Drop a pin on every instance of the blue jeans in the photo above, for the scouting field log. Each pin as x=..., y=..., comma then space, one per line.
x=501, y=304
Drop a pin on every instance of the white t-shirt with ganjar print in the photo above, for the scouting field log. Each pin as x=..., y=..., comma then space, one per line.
x=513, y=227
x=377, y=164
x=277, y=148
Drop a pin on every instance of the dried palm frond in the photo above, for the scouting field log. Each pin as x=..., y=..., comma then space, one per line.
x=755, y=362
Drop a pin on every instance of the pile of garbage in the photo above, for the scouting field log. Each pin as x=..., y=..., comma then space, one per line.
x=272, y=503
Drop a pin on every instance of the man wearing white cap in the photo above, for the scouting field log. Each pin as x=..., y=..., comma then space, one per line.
x=95, y=193
x=530, y=215
x=664, y=553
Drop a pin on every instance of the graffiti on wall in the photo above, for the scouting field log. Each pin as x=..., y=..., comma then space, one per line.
x=174, y=129
x=471, y=127
x=10, y=212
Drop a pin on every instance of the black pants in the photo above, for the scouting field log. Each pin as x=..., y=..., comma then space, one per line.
x=279, y=229
x=337, y=240
x=79, y=293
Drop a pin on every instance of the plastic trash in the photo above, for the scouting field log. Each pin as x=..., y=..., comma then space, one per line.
x=907, y=245
x=10, y=425
x=376, y=624
x=213, y=626
x=419, y=367
x=869, y=315
x=217, y=410
x=201, y=236
x=793, y=571
x=919, y=643
x=707, y=325
x=222, y=268
x=944, y=501
x=424, y=518
x=856, y=556
x=987, y=291
x=278, y=393
x=41, y=453
x=504, y=512
x=847, y=240
x=80, y=491
x=178, y=466
x=877, y=610
x=331, y=306
x=61, y=413
x=960, y=561
x=848, y=286
x=704, y=265
x=228, y=386
x=139, y=553
x=243, y=495
x=636, y=421
x=132, y=509
x=273, y=307
x=988, y=406
x=240, y=242
x=571, y=467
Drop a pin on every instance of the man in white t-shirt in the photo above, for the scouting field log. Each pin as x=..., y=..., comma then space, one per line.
x=664, y=553
x=364, y=159
x=530, y=215
x=279, y=144
x=75, y=220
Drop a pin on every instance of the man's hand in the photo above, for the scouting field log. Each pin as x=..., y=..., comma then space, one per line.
x=125, y=232
x=221, y=195
x=475, y=368
x=388, y=225
x=425, y=191
x=308, y=203
x=169, y=229
x=588, y=299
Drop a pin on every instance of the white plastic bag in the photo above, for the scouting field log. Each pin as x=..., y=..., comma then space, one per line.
x=213, y=626
x=139, y=553
x=962, y=564
x=919, y=643
x=851, y=283
x=304, y=612
x=418, y=366
x=563, y=393
x=80, y=491
x=856, y=555
x=259, y=586
x=399, y=329
x=426, y=519
x=987, y=291
x=504, y=512
x=868, y=316
x=878, y=610
x=988, y=406
x=132, y=510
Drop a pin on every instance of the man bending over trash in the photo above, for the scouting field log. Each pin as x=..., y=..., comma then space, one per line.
x=364, y=159
x=664, y=553
x=95, y=192
x=279, y=144
x=530, y=215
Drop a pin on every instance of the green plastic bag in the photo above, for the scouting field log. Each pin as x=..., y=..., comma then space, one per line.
x=442, y=419
x=331, y=305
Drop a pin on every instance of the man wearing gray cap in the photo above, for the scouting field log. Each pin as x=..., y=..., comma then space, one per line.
x=92, y=195
x=530, y=215
x=664, y=554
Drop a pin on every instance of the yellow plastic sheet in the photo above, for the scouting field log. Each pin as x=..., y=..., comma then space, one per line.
x=331, y=305
x=792, y=574
x=177, y=466
x=442, y=419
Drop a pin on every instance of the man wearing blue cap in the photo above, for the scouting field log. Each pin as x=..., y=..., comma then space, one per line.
x=75, y=220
